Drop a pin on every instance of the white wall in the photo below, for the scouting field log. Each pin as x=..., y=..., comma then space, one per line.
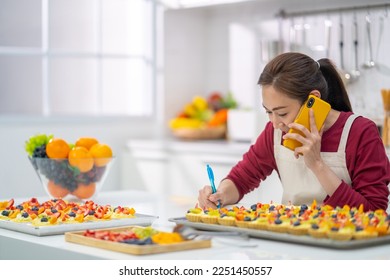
x=196, y=61
x=198, y=51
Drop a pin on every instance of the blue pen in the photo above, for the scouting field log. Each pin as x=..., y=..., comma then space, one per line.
x=211, y=178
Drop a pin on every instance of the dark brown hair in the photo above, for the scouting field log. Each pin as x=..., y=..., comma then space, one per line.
x=297, y=74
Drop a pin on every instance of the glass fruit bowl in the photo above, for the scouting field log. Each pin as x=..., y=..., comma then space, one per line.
x=60, y=179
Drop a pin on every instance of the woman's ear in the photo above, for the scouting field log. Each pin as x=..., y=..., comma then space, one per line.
x=316, y=93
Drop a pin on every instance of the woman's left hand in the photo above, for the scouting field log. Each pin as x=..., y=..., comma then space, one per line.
x=311, y=143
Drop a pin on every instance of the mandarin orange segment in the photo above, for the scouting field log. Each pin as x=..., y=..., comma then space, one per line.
x=101, y=153
x=81, y=158
x=86, y=142
x=57, y=148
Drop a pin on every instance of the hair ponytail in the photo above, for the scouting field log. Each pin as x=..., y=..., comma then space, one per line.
x=337, y=95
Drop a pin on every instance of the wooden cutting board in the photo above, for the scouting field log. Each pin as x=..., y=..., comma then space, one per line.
x=78, y=237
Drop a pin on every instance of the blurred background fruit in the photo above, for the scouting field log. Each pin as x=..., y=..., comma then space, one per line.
x=203, y=118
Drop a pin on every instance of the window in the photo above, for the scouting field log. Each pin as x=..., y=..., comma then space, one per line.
x=73, y=57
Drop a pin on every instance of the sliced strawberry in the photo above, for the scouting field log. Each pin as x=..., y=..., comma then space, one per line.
x=10, y=203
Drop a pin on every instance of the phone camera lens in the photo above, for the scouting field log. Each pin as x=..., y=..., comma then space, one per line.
x=310, y=103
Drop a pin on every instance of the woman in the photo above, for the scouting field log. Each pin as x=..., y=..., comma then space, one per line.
x=344, y=163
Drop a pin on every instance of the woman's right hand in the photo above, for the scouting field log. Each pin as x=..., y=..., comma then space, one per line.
x=226, y=194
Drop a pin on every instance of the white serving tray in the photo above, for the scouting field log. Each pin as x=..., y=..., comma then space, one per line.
x=286, y=237
x=139, y=219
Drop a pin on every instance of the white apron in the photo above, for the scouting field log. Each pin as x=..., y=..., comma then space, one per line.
x=300, y=185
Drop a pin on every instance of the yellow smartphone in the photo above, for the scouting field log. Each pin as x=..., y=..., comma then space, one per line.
x=320, y=109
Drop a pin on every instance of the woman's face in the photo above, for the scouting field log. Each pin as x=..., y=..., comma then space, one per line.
x=280, y=108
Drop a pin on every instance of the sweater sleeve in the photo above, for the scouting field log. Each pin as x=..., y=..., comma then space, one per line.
x=256, y=164
x=369, y=169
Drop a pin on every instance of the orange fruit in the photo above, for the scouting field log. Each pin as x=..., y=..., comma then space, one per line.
x=55, y=190
x=81, y=158
x=86, y=142
x=57, y=148
x=85, y=191
x=101, y=153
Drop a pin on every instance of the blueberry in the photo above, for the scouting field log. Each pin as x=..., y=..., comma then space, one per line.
x=254, y=207
x=272, y=208
x=20, y=207
x=304, y=207
x=278, y=221
x=148, y=241
x=223, y=215
x=334, y=216
x=25, y=215
x=334, y=229
x=247, y=219
x=72, y=214
x=91, y=212
x=53, y=210
x=315, y=226
x=315, y=216
x=5, y=213
x=388, y=218
x=296, y=223
x=371, y=215
x=358, y=228
x=34, y=208
x=44, y=219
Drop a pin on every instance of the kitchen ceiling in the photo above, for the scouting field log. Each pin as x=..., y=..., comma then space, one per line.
x=177, y=4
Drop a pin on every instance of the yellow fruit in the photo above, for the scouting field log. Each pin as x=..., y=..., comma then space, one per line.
x=57, y=148
x=86, y=142
x=190, y=110
x=101, y=154
x=185, y=123
x=85, y=191
x=81, y=158
x=200, y=103
x=55, y=190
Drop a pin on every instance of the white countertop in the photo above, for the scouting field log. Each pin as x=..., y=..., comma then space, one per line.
x=15, y=245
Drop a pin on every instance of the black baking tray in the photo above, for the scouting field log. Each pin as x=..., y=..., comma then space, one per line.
x=286, y=237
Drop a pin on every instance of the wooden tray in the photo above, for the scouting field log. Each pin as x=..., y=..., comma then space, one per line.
x=286, y=237
x=78, y=237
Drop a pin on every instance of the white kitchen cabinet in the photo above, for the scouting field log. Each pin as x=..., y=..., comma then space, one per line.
x=179, y=168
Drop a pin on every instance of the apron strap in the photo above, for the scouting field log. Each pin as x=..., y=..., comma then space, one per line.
x=345, y=133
